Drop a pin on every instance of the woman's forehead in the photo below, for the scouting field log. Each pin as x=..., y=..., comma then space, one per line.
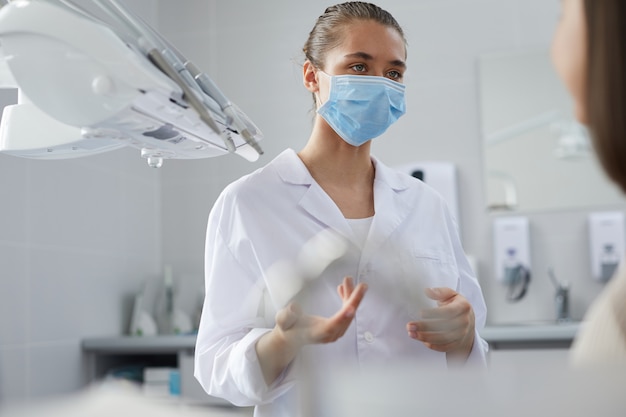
x=372, y=38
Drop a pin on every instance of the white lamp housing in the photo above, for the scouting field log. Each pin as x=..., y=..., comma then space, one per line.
x=96, y=93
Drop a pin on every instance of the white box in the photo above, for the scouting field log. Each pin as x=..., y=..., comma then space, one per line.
x=511, y=243
x=157, y=374
x=606, y=243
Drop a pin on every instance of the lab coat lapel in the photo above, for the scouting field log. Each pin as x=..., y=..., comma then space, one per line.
x=389, y=204
x=391, y=207
x=314, y=201
x=319, y=205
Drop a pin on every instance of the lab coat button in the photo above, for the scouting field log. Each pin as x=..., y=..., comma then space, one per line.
x=369, y=337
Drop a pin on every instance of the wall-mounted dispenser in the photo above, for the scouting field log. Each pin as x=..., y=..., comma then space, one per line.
x=606, y=243
x=442, y=177
x=511, y=242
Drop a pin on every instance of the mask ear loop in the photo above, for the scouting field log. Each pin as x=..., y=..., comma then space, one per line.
x=318, y=100
x=518, y=288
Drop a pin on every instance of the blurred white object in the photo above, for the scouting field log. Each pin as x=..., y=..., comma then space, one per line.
x=28, y=132
x=607, y=243
x=95, y=87
x=116, y=398
x=573, y=142
x=181, y=322
x=157, y=382
x=142, y=323
x=542, y=388
x=511, y=236
x=286, y=278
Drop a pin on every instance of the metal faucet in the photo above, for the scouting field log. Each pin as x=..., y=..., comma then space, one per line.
x=561, y=298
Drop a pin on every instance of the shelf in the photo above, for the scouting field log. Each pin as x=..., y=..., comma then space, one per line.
x=139, y=344
x=530, y=335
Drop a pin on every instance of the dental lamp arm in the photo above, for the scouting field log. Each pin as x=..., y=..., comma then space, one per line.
x=125, y=84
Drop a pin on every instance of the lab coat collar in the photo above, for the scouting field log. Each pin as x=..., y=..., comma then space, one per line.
x=291, y=169
x=391, y=205
x=289, y=159
x=391, y=209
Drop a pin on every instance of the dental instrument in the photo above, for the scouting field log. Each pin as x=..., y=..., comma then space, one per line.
x=94, y=82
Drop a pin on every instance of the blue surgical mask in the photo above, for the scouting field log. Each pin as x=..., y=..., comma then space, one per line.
x=362, y=107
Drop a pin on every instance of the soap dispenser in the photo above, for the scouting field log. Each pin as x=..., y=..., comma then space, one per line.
x=607, y=243
x=512, y=255
x=609, y=260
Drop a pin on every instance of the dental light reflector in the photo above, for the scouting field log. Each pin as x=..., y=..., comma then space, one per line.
x=91, y=90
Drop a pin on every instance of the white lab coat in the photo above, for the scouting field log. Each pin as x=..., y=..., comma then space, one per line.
x=265, y=218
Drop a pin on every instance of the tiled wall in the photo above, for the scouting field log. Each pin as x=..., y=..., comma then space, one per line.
x=77, y=238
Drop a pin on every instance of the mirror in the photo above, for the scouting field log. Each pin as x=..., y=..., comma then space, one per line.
x=536, y=155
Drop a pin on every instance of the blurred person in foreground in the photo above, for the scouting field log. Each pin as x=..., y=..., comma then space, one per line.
x=589, y=54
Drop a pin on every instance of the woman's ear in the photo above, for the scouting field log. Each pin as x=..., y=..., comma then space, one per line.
x=309, y=77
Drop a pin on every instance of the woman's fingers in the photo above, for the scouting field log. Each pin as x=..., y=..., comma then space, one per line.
x=315, y=329
x=350, y=305
x=288, y=316
x=357, y=295
x=446, y=328
x=348, y=283
x=341, y=289
x=345, y=288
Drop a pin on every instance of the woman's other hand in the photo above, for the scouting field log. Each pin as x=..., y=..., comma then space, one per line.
x=449, y=327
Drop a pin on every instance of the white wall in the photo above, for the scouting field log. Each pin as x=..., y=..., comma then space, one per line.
x=77, y=238
x=253, y=50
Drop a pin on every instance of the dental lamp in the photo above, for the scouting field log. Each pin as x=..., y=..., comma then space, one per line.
x=90, y=84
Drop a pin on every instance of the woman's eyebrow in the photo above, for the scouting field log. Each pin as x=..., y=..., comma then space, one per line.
x=362, y=55
x=367, y=57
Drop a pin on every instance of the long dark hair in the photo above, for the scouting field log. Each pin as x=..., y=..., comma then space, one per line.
x=606, y=84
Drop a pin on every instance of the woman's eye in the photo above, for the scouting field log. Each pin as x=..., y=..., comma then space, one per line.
x=394, y=75
x=359, y=68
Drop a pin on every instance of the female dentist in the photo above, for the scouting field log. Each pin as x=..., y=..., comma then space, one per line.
x=255, y=345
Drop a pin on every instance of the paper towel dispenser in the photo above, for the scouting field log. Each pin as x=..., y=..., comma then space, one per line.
x=442, y=177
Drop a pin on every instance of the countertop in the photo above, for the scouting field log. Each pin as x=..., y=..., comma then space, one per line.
x=531, y=334
x=139, y=344
x=494, y=334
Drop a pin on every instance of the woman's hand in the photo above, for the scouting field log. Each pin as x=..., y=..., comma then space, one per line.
x=295, y=329
x=449, y=327
x=299, y=329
